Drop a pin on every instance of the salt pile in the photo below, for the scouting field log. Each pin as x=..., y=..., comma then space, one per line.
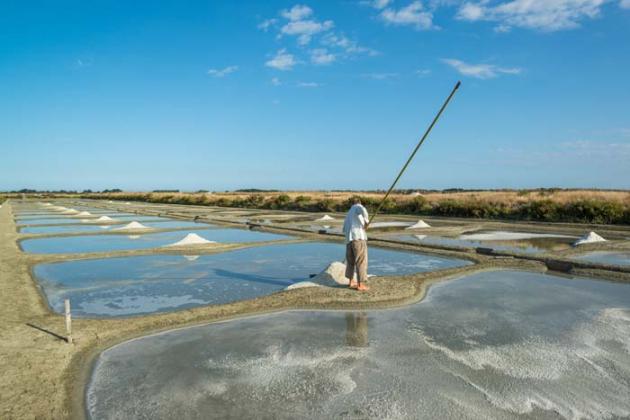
x=70, y=211
x=46, y=204
x=333, y=275
x=325, y=218
x=192, y=239
x=589, y=238
x=420, y=224
x=133, y=226
x=102, y=219
x=84, y=213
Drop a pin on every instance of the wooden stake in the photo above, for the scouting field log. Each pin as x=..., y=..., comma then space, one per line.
x=68, y=320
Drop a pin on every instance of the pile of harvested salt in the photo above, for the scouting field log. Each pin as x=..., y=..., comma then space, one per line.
x=133, y=226
x=420, y=224
x=325, y=218
x=70, y=211
x=192, y=239
x=84, y=213
x=333, y=275
x=589, y=238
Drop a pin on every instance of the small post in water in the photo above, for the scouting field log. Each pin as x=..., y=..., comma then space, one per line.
x=68, y=320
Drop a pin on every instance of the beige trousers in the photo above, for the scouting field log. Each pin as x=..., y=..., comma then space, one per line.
x=357, y=260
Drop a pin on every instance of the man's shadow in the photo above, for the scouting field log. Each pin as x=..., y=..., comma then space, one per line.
x=57, y=336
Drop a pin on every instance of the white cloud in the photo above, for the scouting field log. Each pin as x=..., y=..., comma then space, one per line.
x=321, y=56
x=547, y=15
x=423, y=72
x=297, y=12
x=275, y=81
x=346, y=44
x=266, y=24
x=305, y=29
x=282, y=61
x=378, y=4
x=380, y=76
x=222, y=72
x=308, y=84
x=413, y=15
x=624, y=4
x=480, y=71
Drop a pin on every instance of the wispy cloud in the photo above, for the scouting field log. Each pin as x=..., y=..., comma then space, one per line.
x=547, y=15
x=380, y=76
x=275, y=81
x=266, y=24
x=321, y=56
x=624, y=4
x=309, y=84
x=302, y=25
x=297, y=12
x=282, y=61
x=423, y=72
x=319, y=42
x=414, y=14
x=222, y=72
x=480, y=71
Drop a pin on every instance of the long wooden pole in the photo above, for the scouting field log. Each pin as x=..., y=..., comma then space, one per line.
x=426, y=134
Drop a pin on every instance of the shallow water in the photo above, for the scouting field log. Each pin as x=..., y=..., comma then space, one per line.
x=493, y=345
x=606, y=257
x=90, y=220
x=129, y=241
x=529, y=246
x=135, y=285
x=86, y=227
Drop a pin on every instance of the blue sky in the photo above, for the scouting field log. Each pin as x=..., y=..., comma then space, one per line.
x=313, y=95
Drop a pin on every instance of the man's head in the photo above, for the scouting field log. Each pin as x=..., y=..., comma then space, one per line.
x=356, y=200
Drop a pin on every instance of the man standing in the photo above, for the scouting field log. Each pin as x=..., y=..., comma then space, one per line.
x=354, y=228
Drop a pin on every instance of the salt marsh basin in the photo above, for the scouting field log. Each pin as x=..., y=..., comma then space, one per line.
x=157, y=283
x=133, y=240
x=504, y=344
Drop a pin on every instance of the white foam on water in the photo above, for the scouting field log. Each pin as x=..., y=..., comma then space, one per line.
x=555, y=375
x=130, y=305
x=133, y=226
x=589, y=238
x=192, y=239
x=508, y=236
x=420, y=224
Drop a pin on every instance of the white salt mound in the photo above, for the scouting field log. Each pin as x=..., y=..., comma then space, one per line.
x=325, y=218
x=70, y=211
x=420, y=224
x=192, y=239
x=589, y=238
x=47, y=204
x=133, y=226
x=84, y=213
x=333, y=275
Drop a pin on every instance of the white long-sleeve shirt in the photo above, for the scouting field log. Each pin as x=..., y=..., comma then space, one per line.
x=354, y=225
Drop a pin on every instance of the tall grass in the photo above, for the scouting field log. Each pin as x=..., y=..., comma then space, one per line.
x=579, y=206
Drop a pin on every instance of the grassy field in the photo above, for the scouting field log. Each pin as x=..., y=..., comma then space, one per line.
x=577, y=206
